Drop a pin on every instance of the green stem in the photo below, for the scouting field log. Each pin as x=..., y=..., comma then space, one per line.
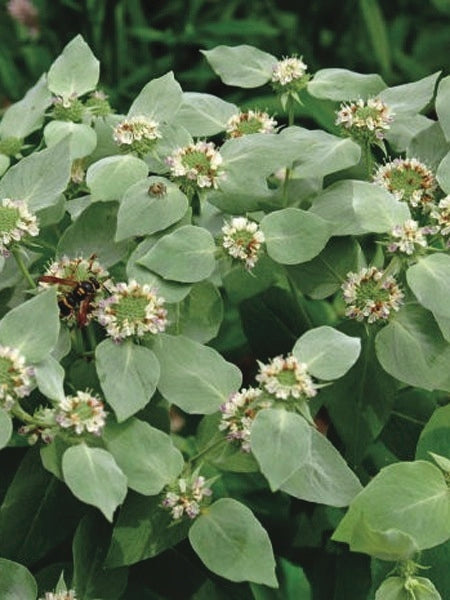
x=219, y=442
x=78, y=342
x=21, y=414
x=368, y=159
x=91, y=337
x=296, y=296
x=22, y=266
x=291, y=119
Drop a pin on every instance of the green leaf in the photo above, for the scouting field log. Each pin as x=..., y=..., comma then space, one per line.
x=32, y=327
x=280, y=442
x=128, y=375
x=159, y=99
x=186, y=255
x=231, y=543
x=4, y=163
x=412, y=349
x=6, y=428
x=16, y=582
x=410, y=98
x=200, y=314
x=435, y=436
x=75, y=71
x=90, y=579
x=429, y=279
x=143, y=530
x=194, y=377
x=204, y=114
x=430, y=145
x=293, y=584
x=93, y=233
x=93, y=476
x=409, y=496
x=40, y=178
x=404, y=129
x=442, y=106
x=23, y=117
x=82, y=138
x=146, y=455
x=109, y=178
x=323, y=476
x=327, y=352
x=243, y=66
x=342, y=84
x=50, y=378
x=294, y=236
x=442, y=173
x=141, y=213
x=441, y=461
x=394, y=588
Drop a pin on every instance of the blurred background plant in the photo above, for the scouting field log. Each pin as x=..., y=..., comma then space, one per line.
x=137, y=40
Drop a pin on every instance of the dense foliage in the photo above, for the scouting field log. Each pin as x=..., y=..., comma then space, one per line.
x=148, y=255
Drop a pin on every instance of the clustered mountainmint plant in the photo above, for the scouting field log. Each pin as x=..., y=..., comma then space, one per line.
x=140, y=250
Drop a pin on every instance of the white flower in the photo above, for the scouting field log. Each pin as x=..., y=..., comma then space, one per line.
x=15, y=377
x=16, y=222
x=238, y=414
x=365, y=120
x=288, y=70
x=66, y=595
x=407, y=179
x=442, y=214
x=197, y=163
x=82, y=412
x=286, y=378
x=407, y=237
x=242, y=240
x=77, y=269
x=136, y=129
x=370, y=295
x=132, y=309
x=186, y=496
x=251, y=121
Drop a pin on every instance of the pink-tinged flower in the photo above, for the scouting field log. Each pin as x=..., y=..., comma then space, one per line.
x=137, y=134
x=441, y=213
x=371, y=295
x=408, y=238
x=286, y=378
x=365, y=121
x=15, y=377
x=81, y=413
x=197, y=164
x=16, y=223
x=251, y=121
x=242, y=240
x=186, y=496
x=289, y=70
x=409, y=180
x=66, y=595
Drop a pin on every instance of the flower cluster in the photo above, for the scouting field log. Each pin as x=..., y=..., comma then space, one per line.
x=74, y=269
x=442, y=215
x=68, y=109
x=251, y=121
x=66, y=595
x=80, y=413
x=16, y=222
x=132, y=309
x=242, y=240
x=43, y=427
x=407, y=179
x=365, y=121
x=408, y=237
x=98, y=104
x=15, y=377
x=197, y=164
x=371, y=295
x=289, y=75
x=137, y=134
x=238, y=414
x=186, y=496
x=286, y=378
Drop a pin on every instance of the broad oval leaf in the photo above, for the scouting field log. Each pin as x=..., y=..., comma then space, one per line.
x=50, y=378
x=393, y=588
x=435, y=436
x=82, y=138
x=110, y=177
x=16, y=581
x=327, y=352
x=243, y=66
x=410, y=98
x=186, y=255
x=204, y=114
x=194, y=377
x=342, y=84
x=280, y=442
x=231, y=542
x=146, y=455
x=23, y=117
x=93, y=476
x=429, y=279
x=128, y=375
x=32, y=327
x=159, y=99
x=442, y=106
x=409, y=496
x=75, y=71
x=6, y=428
x=294, y=236
x=443, y=173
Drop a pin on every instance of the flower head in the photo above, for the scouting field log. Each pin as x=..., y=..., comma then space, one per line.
x=242, y=240
x=132, y=309
x=408, y=238
x=365, y=121
x=68, y=108
x=286, y=378
x=289, y=74
x=186, y=496
x=137, y=134
x=80, y=413
x=196, y=165
x=370, y=295
x=442, y=215
x=66, y=595
x=408, y=180
x=251, y=121
x=16, y=222
x=44, y=426
x=238, y=414
x=98, y=104
x=15, y=377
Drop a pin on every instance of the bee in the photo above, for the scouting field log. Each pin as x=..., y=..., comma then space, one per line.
x=157, y=189
x=78, y=299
